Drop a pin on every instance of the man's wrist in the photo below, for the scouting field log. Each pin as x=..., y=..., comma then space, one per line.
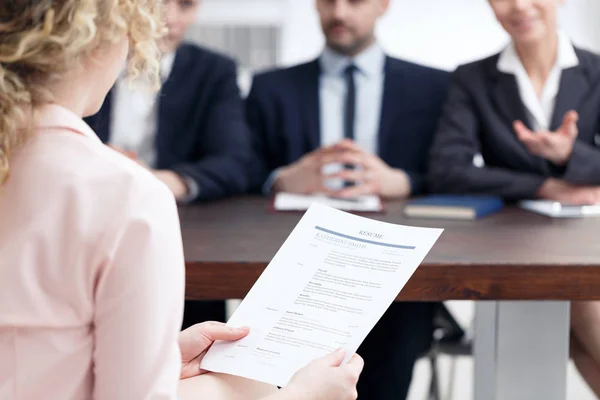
x=174, y=182
x=279, y=181
x=401, y=184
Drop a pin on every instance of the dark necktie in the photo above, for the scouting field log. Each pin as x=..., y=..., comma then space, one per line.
x=349, y=110
x=350, y=103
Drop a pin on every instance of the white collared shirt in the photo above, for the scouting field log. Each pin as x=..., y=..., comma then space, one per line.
x=368, y=78
x=134, y=120
x=539, y=110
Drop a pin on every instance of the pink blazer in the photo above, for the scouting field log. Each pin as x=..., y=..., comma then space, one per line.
x=91, y=271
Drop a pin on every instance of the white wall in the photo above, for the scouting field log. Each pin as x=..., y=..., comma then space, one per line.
x=247, y=12
x=301, y=33
x=581, y=20
x=440, y=33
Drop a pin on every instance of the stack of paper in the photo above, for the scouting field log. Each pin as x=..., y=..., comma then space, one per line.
x=326, y=288
x=300, y=202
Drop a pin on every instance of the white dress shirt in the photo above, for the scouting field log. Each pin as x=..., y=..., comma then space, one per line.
x=368, y=79
x=91, y=271
x=539, y=109
x=134, y=121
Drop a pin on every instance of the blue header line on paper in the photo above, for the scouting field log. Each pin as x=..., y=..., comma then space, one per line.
x=395, y=246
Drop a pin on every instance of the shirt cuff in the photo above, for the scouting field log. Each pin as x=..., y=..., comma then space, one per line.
x=193, y=190
x=267, y=187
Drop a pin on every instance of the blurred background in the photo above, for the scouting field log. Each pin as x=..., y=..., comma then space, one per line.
x=263, y=33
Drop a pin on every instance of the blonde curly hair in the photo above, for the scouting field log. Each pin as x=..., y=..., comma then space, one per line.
x=41, y=39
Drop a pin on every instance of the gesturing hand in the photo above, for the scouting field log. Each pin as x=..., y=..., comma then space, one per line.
x=556, y=147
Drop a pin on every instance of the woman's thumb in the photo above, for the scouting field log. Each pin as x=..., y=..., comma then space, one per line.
x=334, y=359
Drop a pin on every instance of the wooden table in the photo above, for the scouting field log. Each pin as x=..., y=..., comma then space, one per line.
x=521, y=350
x=513, y=255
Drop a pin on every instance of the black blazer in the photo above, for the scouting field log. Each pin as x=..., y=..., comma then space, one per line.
x=478, y=118
x=283, y=112
x=202, y=133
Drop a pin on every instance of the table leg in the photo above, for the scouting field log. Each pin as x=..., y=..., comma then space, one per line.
x=521, y=350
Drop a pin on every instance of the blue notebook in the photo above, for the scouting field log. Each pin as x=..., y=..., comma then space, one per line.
x=453, y=207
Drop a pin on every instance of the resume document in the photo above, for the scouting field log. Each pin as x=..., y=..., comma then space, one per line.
x=325, y=289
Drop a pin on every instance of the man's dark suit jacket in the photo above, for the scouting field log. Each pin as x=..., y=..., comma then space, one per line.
x=478, y=118
x=202, y=133
x=283, y=112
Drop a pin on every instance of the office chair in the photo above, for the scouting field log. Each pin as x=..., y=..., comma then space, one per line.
x=449, y=338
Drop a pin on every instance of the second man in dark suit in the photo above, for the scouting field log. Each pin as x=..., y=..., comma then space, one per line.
x=354, y=106
x=192, y=134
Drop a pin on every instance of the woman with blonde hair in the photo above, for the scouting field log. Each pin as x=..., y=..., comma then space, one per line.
x=91, y=261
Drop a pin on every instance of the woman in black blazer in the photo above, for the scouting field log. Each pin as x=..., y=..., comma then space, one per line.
x=524, y=124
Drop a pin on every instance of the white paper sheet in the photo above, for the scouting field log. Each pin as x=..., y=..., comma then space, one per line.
x=301, y=202
x=326, y=288
x=559, y=210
